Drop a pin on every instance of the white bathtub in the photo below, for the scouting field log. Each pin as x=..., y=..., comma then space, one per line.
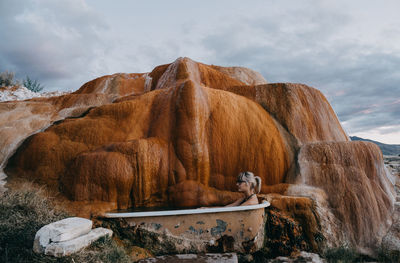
x=213, y=229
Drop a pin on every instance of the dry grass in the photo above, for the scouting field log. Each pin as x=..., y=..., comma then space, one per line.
x=347, y=255
x=23, y=211
x=388, y=256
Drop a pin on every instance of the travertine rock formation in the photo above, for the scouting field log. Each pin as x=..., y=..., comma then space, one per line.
x=20, y=119
x=179, y=135
x=352, y=176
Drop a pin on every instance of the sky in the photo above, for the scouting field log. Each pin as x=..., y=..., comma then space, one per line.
x=349, y=50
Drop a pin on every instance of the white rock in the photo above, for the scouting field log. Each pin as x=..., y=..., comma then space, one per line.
x=63, y=230
x=302, y=256
x=22, y=93
x=65, y=248
x=205, y=258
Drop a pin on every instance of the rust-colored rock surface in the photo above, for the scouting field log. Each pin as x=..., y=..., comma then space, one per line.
x=179, y=135
x=118, y=84
x=137, y=151
x=351, y=175
x=302, y=110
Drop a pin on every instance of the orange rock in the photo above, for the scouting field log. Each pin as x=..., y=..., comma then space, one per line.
x=352, y=175
x=119, y=84
x=245, y=75
x=179, y=135
x=191, y=138
x=302, y=210
x=137, y=253
x=302, y=110
x=283, y=235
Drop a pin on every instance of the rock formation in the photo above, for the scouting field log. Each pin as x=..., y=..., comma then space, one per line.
x=350, y=173
x=21, y=119
x=179, y=135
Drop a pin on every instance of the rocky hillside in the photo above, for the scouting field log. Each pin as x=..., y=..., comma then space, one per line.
x=179, y=135
x=387, y=149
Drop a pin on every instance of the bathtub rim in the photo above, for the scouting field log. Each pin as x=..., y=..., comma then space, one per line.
x=208, y=210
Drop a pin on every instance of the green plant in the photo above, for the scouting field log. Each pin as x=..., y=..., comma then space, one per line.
x=32, y=85
x=7, y=79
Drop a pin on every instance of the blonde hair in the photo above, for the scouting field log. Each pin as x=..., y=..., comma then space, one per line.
x=254, y=181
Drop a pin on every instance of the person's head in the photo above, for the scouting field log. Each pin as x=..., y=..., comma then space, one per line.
x=251, y=181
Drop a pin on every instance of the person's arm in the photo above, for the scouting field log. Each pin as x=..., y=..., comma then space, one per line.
x=252, y=201
x=236, y=203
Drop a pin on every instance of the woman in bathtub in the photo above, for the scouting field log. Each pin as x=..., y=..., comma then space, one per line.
x=249, y=185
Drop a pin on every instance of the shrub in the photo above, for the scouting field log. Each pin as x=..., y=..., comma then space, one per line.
x=340, y=254
x=388, y=256
x=7, y=79
x=345, y=254
x=24, y=211
x=32, y=85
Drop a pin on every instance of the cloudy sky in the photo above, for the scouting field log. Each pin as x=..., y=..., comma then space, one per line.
x=350, y=50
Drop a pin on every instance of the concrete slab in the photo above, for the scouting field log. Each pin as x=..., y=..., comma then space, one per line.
x=60, y=249
x=63, y=230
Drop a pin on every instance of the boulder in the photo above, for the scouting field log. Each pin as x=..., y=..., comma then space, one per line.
x=63, y=230
x=65, y=248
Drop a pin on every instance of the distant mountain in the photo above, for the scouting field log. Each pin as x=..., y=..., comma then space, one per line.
x=387, y=149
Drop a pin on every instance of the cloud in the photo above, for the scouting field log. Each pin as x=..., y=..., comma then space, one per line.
x=361, y=80
x=52, y=41
x=334, y=47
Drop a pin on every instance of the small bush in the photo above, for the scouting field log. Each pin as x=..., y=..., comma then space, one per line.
x=24, y=211
x=341, y=254
x=7, y=79
x=32, y=85
x=388, y=256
